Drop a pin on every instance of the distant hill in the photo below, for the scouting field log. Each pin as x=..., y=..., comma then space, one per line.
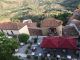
x=20, y=8
x=70, y=4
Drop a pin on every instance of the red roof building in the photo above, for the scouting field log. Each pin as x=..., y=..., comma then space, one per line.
x=18, y=27
x=59, y=42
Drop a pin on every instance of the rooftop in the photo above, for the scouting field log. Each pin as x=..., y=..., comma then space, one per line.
x=51, y=22
x=15, y=25
x=69, y=31
x=59, y=42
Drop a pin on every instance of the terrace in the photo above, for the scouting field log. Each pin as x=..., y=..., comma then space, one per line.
x=39, y=49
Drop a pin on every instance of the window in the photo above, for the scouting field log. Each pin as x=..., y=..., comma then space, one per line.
x=12, y=32
x=52, y=30
x=7, y=33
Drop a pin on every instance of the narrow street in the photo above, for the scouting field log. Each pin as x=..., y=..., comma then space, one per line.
x=21, y=52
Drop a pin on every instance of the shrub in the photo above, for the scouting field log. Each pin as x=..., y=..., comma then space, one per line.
x=14, y=58
x=42, y=58
x=26, y=51
x=7, y=47
x=63, y=17
x=29, y=47
x=36, y=57
x=23, y=38
x=2, y=34
x=35, y=40
x=28, y=56
x=14, y=36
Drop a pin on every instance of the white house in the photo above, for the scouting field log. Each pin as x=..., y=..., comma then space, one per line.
x=11, y=28
x=15, y=28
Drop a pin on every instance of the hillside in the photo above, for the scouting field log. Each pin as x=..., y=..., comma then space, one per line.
x=70, y=4
x=22, y=8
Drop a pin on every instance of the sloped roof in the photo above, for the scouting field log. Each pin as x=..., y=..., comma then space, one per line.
x=33, y=24
x=70, y=31
x=35, y=31
x=59, y=42
x=8, y=26
x=51, y=22
x=15, y=25
x=76, y=22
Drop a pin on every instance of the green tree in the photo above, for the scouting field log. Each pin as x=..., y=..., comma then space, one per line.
x=7, y=47
x=63, y=17
x=23, y=38
x=70, y=4
x=2, y=34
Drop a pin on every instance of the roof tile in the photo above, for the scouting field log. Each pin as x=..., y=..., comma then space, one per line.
x=51, y=22
x=15, y=25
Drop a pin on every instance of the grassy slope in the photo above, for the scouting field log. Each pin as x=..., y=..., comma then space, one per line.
x=9, y=8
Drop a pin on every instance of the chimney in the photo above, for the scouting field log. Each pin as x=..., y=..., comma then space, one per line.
x=27, y=21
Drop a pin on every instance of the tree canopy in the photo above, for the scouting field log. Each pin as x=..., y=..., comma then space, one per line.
x=37, y=10
x=7, y=47
x=23, y=38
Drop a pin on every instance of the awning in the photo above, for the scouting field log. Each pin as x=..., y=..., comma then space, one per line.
x=59, y=42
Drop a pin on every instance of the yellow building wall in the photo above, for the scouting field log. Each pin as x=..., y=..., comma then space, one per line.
x=59, y=30
x=44, y=31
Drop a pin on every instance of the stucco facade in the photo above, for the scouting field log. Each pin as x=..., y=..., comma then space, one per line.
x=44, y=31
x=24, y=30
x=16, y=32
x=59, y=30
x=10, y=32
x=51, y=26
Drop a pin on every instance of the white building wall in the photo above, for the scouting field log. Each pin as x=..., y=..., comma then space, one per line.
x=59, y=30
x=24, y=30
x=16, y=32
x=44, y=31
x=9, y=32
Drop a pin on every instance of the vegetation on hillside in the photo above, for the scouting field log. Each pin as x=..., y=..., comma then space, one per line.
x=70, y=4
x=35, y=9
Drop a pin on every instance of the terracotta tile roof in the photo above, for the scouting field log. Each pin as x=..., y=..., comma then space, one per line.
x=51, y=22
x=35, y=31
x=33, y=24
x=15, y=25
x=70, y=31
x=8, y=26
x=20, y=25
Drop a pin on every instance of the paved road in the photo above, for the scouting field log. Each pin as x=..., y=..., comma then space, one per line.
x=22, y=49
x=21, y=52
x=39, y=50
